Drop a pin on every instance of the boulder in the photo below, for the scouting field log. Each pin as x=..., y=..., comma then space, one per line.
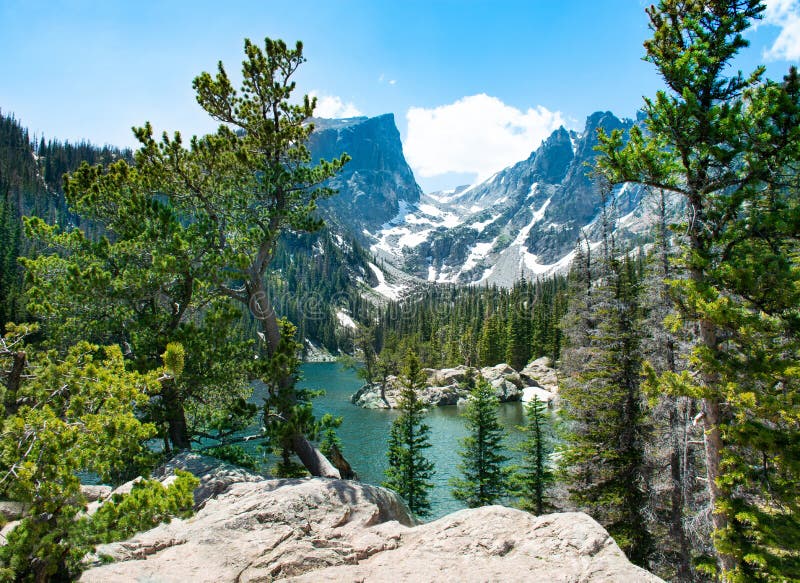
x=261, y=531
x=11, y=510
x=445, y=387
x=540, y=373
x=369, y=397
x=494, y=543
x=446, y=376
x=215, y=475
x=335, y=530
x=528, y=393
x=95, y=493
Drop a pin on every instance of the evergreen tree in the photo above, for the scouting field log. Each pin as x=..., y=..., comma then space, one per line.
x=244, y=185
x=492, y=344
x=728, y=145
x=603, y=457
x=144, y=287
x=531, y=479
x=518, y=344
x=64, y=415
x=483, y=478
x=677, y=495
x=409, y=472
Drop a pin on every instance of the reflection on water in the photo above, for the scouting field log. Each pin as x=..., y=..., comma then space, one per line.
x=365, y=432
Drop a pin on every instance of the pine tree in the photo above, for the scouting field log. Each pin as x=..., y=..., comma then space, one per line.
x=518, y=344
x=531, y=479
x=728, y=145
x=161, y=296
x=492, y=343
x=245, y=185
x=66, y=414
x=483, y=477
x=409, y=472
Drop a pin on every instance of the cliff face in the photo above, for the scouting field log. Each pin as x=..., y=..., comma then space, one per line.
x=377, y=181
x=336, y=530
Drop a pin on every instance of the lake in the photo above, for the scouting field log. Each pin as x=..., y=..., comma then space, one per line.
x=365, y=432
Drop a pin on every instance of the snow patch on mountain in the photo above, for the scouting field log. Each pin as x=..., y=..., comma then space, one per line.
x=481, y=225
x=479, y=252
x=387, y=290
x=345, y=320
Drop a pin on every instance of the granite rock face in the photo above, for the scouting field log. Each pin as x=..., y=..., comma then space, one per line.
x=494, y=543
x=260, y=531
x=377, y=181
x=335, y=530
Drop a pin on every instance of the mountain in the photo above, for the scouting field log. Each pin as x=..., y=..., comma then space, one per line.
x=377, y=183
x=522, y=221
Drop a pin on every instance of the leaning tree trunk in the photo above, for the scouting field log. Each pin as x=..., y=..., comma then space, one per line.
x=261, y=307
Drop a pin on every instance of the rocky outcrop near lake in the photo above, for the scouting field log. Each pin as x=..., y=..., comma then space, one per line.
x=448, y=387
x=336, y=530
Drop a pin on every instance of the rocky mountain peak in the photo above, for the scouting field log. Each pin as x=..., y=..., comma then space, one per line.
x=551, y=160
x=375, y=182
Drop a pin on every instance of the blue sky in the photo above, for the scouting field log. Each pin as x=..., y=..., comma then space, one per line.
x=474, y=85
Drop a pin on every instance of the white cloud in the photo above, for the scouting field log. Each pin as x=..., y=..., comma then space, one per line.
x=784, y=14
x=332, y=107
x=476, y=134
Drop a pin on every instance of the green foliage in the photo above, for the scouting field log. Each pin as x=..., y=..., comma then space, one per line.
x=143, y=287
x=67, y=414
x=30, y=184
x=450, y=325
x=148, y=504
x=483, y=477
x=606, y=425
x=409, y=472
x=729, y=145
x=234, y=454
x=241, y=188
x=531, y=479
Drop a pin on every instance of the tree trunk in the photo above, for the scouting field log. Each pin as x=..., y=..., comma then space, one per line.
x=683, y=568
x=19, y=359
x=313, y=460
x=713, y=451
x=261, y=307
x=345, y=470
x=175, y=416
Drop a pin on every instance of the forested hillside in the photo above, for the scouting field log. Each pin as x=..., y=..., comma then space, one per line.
x=31, y=175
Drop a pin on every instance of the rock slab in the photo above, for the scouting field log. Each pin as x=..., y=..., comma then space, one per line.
x=337, y=530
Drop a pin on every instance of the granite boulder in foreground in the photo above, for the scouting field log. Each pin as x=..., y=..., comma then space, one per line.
x=337, y=530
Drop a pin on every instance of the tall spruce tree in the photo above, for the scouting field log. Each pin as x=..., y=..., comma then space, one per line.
x=729, y=146
x=409, y=472
x=532, y=478
x=483, y=477
x=603, y=454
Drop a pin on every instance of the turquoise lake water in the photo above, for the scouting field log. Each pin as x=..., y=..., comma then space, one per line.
x=364, y=432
